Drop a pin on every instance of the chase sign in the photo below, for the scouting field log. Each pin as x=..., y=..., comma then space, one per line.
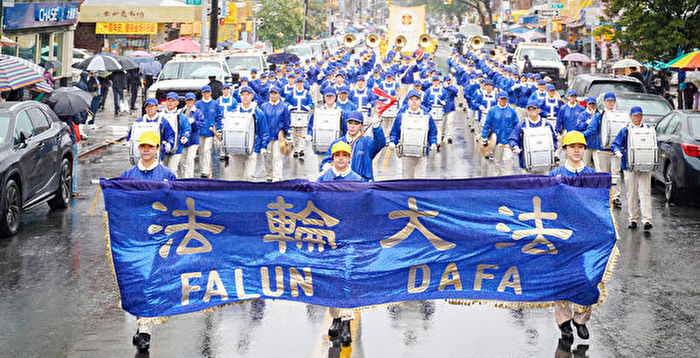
x=43, y=14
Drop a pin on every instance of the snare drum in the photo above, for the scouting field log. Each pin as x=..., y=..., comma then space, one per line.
x=239, y=133
x=642, y=150
x=538, y=148
x=326, y=128
x=414, y=135
x=299, y=119
x=137, y=129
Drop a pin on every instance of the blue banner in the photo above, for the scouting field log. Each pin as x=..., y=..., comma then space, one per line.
x=522, y=241
x=39, y=14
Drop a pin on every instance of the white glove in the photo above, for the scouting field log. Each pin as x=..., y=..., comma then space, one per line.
x=190, y=119
x=308, y=138
x=326, y=167
x=517, y=150
x=484, y=142
x=482, y=108
x=376, y=122
x=167, y=147
x=433, y=147
x=392, y=145
x=183, y=140
x=263, y=151
x=126, y=144
x=618, y=154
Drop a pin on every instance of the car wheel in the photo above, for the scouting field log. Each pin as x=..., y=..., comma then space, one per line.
x=671, y=191
x=11, y=209
x=65, y=187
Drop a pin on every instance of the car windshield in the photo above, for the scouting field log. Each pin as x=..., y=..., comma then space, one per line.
x=649, y=106
x=4, y=126
x=694, y=121
x=188, y=70
x=597, y=88
x=539, y=54
x=244, y=62
x=300, y=51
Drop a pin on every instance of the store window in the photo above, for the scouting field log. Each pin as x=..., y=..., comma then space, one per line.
x=27, y=47
x=60, y=56
x=47, y=50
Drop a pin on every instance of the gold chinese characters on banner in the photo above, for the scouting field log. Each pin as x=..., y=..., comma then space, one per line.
x=126, y=28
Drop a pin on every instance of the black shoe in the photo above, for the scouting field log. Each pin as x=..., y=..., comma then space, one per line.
x=142, y=341
x=268, y=180
x=581, y=330
x=204, y=176
x=647, y=226
x=296, y=154
x=334, y=331
x=617, y=203
x=301, y=153
x=567, y=333
x=345, y=334
x=449, y=140
x=632, y=225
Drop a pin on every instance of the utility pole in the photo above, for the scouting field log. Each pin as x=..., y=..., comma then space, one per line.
x=214, y=24
x=203, y=31
x=549, y=23
x=306, y=16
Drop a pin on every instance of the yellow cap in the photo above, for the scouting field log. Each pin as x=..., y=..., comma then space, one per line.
x=150, y=137
x=341, y=147
x=574, y=137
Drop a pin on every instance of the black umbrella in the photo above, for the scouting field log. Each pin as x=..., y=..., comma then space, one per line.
x=99, y=62
x=127, y=63
x=68, y=101
x=52, y=64
x=282, y=58
x=164, y=57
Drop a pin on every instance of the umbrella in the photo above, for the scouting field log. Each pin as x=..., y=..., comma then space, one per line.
x=150, y=68
x=182, y=45
x=559, y=43
x=281, y=58
x=164, y=57
x=42, y=87
x=52, y=64
x=690, y=61
x=223, y=45
x=140, y=54
x=16, y=73
x=6, y=41
x=127, y=63
x=99, y=62
x=240, y=45
x=68, y=101
x=577, y=57
x=628, y=62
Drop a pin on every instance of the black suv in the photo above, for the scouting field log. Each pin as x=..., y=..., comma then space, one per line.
x=36, y=161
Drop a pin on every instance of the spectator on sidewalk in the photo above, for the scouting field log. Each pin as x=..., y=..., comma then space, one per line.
x=118, y=79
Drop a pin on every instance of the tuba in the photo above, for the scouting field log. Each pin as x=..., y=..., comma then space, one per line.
x=476, y=42
x=372, y=40
x=424, y=40
x=350, y=41
x=400, y=41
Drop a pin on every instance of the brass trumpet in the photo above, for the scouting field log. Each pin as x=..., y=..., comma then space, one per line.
x=476, y=42
x=424, y=40
x=372, y=40
x=350, y=41
x=400, y=41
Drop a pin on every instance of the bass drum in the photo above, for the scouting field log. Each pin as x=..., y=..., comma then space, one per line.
x=538, y=148
x=414, y=135
x=642, y=150
x=238, y=133
x=326, y=128
x=610, y=126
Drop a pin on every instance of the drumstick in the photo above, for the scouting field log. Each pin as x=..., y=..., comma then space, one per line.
x=297, y=134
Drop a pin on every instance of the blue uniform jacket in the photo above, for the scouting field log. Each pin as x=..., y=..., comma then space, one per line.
x=363, y=152
x=451, y=92
x=196, y=123
x=562, y=171
x=436, y=96
x=212, y=113
x=500, y=121
x=363, y=99
x=183, y=131
x=567, y=117
x=227, y=104
x=395, y=134
x=300, y=101
x=159, y=173
x=585, y=121
x=330, y=176
x=277, y=116
x=516, y=137
x=550, y=108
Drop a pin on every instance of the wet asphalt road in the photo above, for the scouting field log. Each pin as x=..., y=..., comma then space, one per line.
x=58, y=298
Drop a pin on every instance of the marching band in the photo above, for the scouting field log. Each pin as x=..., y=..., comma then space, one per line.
x=340, y=106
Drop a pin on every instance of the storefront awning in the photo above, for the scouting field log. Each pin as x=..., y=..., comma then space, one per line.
x=139, y=11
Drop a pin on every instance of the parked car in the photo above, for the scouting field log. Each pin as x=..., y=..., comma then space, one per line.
x=36, y=161
x=654, y=106
x=594, y=85
x=678, y=138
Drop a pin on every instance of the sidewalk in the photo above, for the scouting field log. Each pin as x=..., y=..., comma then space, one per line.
x=110, y=128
